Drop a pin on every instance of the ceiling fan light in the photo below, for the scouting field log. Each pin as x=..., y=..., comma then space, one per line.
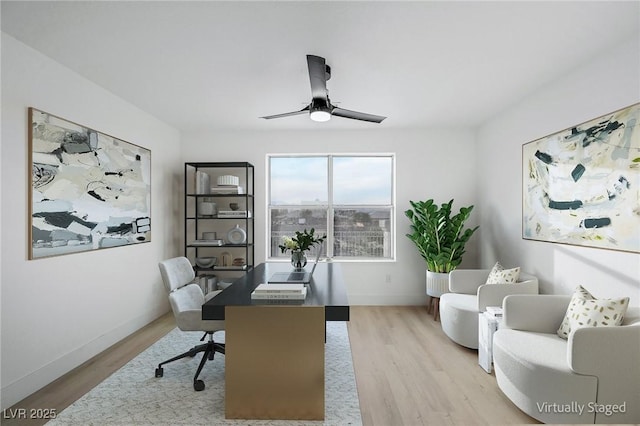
x=320, y=115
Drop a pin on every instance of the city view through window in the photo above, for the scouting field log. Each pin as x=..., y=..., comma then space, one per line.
x=348, y=198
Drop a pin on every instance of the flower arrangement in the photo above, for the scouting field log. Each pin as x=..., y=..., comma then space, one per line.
x=301, y=242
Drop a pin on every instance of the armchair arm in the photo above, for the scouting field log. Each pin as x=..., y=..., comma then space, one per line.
x=611, y=354
x=541, y=313
x=467, y=281
x=493, y=294
x=599, y=351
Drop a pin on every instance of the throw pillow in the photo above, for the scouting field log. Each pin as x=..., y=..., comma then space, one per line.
x=499, y=275
x=586, y=311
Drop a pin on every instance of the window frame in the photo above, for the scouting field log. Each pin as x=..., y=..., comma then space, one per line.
x=331, y=207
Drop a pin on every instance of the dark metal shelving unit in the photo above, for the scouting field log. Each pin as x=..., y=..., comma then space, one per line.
x=195, y=223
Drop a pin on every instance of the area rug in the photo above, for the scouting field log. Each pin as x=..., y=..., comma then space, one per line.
x=134, y=396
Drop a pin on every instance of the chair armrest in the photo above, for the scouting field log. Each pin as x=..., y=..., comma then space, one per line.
x=493, y=294
x=603, y=351
x=467, y=281
x=189, y=320
x=542, y=313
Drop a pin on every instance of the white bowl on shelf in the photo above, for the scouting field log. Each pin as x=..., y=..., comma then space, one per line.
x=206, y=262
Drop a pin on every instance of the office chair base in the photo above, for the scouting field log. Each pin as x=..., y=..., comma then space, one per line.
x=209, y=349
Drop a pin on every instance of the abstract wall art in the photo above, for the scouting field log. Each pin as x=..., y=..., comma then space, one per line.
x=88, y=190
x=581, y=186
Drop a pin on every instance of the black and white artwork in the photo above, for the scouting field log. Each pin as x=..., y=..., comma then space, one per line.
x=581, y=186
x=89, y=190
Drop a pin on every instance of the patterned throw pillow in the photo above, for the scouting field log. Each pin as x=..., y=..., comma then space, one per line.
x=499, y=275
x=586, y=311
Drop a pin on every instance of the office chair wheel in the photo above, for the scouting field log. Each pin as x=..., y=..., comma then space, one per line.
x=159, y=372
x=198, y=385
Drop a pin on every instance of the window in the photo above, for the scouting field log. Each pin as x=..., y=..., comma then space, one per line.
x=350, y=198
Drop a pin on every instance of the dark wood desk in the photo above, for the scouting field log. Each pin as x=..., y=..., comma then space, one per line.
x=327, y=289
x=274, y=354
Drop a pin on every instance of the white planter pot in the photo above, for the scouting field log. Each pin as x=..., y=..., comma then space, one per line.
x=437, y=283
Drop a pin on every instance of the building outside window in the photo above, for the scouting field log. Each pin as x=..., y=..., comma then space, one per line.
x=350, y=198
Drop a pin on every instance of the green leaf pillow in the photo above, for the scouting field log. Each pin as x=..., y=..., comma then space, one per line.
x=499, y=275
x=586, y=311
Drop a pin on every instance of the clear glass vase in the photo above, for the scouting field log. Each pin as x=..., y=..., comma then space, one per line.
x=298, y=259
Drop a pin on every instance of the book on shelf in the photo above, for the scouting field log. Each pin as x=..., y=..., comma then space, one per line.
x=207, y=243
x=266, y=288
x=233, y=213
x=280, y=295
x=227, y=190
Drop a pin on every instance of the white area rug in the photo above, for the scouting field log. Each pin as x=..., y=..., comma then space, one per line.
x=134, y=396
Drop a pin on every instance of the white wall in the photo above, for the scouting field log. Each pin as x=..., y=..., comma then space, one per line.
x=438, y=164
x=609, y=82
x=58, y=312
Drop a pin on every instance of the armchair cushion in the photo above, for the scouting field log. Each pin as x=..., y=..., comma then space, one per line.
x=586, y=311
x=499, y=275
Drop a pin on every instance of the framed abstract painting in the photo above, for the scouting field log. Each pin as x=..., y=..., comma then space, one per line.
x=581, y=186
x=88, y=190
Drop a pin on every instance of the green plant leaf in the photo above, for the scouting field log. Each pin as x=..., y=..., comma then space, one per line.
x=439, y=237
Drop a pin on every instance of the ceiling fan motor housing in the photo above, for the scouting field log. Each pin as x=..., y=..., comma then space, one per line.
x=320, y=108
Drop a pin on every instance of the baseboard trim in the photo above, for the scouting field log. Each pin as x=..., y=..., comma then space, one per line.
x=32, y=382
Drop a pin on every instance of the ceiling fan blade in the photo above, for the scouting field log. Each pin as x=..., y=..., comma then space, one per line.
x=317, y=76
x=341, y=112
x=287, y=114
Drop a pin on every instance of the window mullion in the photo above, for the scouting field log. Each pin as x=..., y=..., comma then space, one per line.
x=330, y=242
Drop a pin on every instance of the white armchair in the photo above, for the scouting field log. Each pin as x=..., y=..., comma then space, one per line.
x=469, y=295
x=593, y=377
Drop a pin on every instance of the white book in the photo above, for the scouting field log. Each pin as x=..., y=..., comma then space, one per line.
x=266, y=288
x=279, y=295
x=225, y=190
x=233, y=213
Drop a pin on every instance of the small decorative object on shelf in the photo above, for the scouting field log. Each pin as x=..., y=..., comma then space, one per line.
x=206, y=262
x=237, y=235
x=299, y=244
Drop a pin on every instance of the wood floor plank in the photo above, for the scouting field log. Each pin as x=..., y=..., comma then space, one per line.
x=407, y=372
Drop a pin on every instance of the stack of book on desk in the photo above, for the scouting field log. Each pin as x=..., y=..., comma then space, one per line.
x=279, y=291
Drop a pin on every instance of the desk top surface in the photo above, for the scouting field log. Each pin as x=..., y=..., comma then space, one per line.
x=327, y=288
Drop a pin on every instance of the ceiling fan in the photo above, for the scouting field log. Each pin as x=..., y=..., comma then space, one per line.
x=320, y=108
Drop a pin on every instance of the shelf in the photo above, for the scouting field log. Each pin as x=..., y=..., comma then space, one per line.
x=218, y=218
x=220, y=165
x=194, y=225
x=223, y=268
x=221, y=195
x=227, y=245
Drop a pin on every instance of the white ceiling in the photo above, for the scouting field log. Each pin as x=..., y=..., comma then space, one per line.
x=206, y=65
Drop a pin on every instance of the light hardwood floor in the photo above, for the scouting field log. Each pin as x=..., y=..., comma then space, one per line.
x=407, y=371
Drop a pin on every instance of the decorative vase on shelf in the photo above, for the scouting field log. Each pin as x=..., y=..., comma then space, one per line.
x=298, y=259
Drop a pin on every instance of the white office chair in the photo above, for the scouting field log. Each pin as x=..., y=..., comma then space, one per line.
x=186, y=298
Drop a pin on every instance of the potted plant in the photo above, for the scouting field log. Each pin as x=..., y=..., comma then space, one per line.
x=299, y=244
x=440, y=239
